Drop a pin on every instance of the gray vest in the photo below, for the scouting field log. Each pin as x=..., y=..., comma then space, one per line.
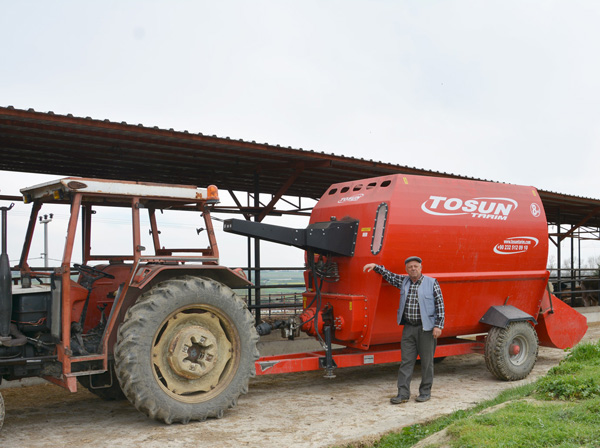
x=426, y=301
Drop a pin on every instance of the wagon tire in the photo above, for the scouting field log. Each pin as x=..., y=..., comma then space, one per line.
x=186, y=350
x=511, y=352
x=105, y=385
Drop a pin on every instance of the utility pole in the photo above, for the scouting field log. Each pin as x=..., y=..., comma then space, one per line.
x=45, y=220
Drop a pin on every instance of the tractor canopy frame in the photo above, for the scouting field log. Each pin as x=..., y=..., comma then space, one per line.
x=126, y=275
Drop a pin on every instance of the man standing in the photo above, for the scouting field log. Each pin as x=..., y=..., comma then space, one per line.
x=422, y=314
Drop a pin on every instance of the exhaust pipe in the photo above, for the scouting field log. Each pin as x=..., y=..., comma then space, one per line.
x=5, y=283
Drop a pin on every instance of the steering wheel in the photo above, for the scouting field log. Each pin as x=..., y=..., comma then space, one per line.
x=92, y=271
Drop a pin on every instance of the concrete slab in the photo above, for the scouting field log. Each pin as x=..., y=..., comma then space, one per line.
x=592, y=313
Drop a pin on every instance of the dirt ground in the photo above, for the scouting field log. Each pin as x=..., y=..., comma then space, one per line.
x=299, y=410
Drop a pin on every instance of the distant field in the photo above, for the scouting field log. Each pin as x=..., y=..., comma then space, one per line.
x=287, y=280
x=291, y=282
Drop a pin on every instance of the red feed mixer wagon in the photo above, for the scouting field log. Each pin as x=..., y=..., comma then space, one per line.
x=486, y=243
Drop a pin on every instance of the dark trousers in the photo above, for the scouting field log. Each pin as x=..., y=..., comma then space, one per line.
x=415, y=342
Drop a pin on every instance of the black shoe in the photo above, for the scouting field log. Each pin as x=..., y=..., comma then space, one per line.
x=398, y=400
x=422, y=398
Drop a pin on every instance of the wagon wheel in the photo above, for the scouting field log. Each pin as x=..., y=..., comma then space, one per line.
x=186, y=350
x=511, y=352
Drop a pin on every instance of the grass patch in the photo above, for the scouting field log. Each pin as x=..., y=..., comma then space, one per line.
x=531, y=424
x=570, y=386
x=576, y=377
x=561, y=409
x=414, y=433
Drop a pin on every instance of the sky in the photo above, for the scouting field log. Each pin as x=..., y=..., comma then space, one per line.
x=498, y=90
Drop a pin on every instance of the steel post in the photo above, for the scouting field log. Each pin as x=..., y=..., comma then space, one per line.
x=5, y=281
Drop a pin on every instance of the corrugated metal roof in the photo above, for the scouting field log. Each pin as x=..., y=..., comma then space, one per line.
x=49, y=143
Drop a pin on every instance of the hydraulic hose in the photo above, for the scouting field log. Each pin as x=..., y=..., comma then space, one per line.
x=19, y=338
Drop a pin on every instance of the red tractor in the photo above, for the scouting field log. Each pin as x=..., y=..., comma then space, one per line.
x=164, y=330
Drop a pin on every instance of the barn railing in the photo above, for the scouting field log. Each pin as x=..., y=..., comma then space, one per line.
x=577, y=287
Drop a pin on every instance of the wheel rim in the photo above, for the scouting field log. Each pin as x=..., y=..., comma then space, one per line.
x=195, y=353
x=517, y=350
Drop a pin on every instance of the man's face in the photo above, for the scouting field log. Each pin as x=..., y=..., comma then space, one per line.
x=413, y=268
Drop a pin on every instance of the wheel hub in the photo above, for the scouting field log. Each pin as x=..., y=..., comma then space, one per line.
x=193, y=352
x=517, y=351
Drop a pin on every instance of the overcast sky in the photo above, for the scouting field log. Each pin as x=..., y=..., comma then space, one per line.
x=499, y=90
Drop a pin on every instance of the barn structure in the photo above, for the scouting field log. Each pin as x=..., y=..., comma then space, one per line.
x=49, y=143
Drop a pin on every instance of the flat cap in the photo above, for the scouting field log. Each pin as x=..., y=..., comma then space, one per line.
x=413, y=258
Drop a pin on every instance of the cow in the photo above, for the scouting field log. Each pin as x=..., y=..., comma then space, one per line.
x=589, y=290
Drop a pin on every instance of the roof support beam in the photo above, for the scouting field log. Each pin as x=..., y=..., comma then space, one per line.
x=247, y=216
x=271, y=205
x=580, y=223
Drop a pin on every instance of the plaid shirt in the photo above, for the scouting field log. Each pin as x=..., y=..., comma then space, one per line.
x=412, y=310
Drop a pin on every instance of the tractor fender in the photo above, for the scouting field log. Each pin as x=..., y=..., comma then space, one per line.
x=149, y=275
x=502, y=315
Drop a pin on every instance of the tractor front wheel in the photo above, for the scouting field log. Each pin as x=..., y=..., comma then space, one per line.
x=511, y=352
x=186, y=350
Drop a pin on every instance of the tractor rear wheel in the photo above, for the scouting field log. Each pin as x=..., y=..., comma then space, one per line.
x=511, y=352
x=186, y=350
